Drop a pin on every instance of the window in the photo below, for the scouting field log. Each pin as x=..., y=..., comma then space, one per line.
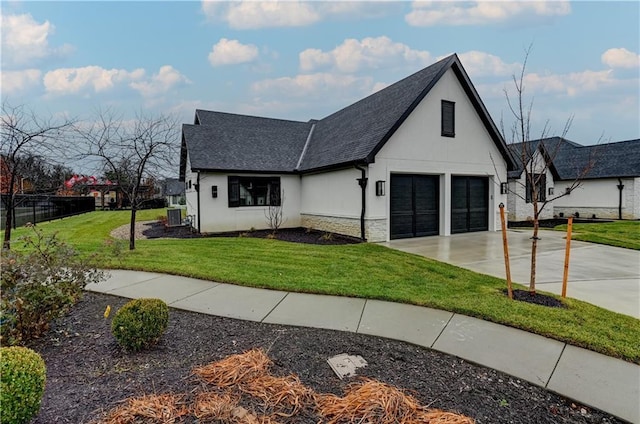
x=540, y=181
x=254, y=191
x=448, y=110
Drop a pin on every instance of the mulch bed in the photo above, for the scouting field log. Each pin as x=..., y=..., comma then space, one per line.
x=537, y=298
x=155, y=229
x=550, y=223
x=88, y=374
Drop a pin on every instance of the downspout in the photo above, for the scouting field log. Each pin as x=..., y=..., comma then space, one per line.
x=197, y=187
x=362, y=182
x=620, y=187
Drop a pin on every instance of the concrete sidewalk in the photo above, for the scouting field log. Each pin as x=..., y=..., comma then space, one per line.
x=589, y=378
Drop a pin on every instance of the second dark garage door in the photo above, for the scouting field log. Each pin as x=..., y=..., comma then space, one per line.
x=414, y=205
x=469, y=204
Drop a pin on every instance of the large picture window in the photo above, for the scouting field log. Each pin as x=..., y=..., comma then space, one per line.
x=254, y=191
x=448, y=121
x=540, y=181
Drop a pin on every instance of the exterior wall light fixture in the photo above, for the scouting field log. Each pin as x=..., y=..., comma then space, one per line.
x=380, y=188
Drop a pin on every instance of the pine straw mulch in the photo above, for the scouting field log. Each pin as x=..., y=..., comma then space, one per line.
x=224, y=383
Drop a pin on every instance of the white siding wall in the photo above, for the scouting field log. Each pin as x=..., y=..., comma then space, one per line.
x=519, y=209
x=331, y=201
x=217, y=216
x=417, y=147
x=600, y=198
x=190, y=194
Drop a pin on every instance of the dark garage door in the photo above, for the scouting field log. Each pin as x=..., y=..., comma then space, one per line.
x=414, y=205
x=469, y=204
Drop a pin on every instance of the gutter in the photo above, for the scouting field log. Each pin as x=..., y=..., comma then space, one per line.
x=362, y=182
x=620, y=187
x=197, y=187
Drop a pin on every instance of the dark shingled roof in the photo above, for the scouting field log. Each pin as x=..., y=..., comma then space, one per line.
x=228, y=142
x=569, y=160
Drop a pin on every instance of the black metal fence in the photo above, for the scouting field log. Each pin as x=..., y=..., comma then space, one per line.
x=39, y=208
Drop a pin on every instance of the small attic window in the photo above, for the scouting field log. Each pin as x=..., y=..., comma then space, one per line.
x=448, y=110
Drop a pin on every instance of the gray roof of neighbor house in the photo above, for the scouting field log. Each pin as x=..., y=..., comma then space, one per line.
x=569, y=160
x=228, y=142
x=173, y=187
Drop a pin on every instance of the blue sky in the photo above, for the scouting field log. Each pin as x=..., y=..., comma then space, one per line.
x=304, y=60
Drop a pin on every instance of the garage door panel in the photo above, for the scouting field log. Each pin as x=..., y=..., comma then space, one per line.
x=402, y=225
x=401, y=194
x=414, y=205
x=469, y=204
x=427, y=224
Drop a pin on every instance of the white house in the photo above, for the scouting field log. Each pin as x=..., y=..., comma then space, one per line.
x=419, y=157
x=601, y=181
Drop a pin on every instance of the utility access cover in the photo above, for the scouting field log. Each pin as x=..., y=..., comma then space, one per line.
x=345, y=365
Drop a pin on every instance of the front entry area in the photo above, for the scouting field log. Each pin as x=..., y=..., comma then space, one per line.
x=469, y=204
x=414, y=205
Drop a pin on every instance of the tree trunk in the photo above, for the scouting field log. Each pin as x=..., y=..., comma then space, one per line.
x=6, y=243
x=10, y=206
x=534, y=249
x=132, y=228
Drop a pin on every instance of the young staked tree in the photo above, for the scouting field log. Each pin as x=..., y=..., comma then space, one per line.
x=26, y=138
x=536, y=158
x=132, y=153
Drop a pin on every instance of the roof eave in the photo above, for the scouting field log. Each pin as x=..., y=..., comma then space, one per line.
x=243, y=171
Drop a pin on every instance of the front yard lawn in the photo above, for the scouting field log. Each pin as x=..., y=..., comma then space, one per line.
x=619, y=233
x=360, y=270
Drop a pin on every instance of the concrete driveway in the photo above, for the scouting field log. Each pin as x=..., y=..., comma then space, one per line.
x=602, y=275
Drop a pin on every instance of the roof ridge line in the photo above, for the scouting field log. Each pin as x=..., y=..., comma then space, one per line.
x=304, y=149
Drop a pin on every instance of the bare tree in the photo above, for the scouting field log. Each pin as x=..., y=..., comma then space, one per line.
x=25, y=138
x=274, y=213
x=133, y=153
x=536, y=159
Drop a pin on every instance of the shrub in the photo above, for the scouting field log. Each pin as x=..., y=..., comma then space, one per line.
x=38, y=284
x=23, y=376
x=140, y=323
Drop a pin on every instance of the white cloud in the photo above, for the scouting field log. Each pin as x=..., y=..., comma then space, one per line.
x=253, y=14
x=353, y=55
x=166, y=79
x=95, y=79
x=261, y=14
x=17, y=81
x=620, y=58
x=24, y=40
x=479, y=63
x=428, y=13
x=231, y=52
x=89, y=78
x=312, y=84
x=572, y=84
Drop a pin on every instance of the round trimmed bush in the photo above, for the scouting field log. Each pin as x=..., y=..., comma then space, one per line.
x=22, y=379
x=140, y=323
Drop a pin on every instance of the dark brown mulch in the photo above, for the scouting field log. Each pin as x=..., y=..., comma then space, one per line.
x=296, y=235
x=550, y=223
x=537, y=298
x=88, y=374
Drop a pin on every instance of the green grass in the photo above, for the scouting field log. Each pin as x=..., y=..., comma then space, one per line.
x=618, y=233
x=363, y=270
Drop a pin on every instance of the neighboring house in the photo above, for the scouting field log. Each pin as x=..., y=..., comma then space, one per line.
x=419, y=157
x=608, y=178
x=173, y=192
